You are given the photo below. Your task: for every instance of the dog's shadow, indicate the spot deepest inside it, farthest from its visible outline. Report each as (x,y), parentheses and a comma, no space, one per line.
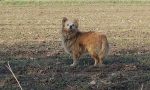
(128,57)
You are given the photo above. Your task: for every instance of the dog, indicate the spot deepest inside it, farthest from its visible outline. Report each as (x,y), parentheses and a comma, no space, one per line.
(77,43)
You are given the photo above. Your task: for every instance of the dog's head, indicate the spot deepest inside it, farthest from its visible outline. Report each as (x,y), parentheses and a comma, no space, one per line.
(69,25)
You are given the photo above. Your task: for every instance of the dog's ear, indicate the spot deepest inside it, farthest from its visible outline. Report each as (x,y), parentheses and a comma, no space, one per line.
(76,22)
(64,19)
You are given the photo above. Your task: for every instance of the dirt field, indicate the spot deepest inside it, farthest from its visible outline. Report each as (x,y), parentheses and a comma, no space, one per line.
(30,41)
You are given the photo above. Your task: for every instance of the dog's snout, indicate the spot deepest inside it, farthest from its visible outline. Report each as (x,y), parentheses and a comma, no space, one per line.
(71,27)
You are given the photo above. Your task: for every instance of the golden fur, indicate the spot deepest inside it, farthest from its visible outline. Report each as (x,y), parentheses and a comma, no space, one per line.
(77,43)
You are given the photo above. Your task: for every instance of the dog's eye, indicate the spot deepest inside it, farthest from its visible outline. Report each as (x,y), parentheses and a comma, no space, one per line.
(67,24)
(72,24)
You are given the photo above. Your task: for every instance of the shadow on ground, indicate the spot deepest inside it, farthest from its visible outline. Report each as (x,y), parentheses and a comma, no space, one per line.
(41,67)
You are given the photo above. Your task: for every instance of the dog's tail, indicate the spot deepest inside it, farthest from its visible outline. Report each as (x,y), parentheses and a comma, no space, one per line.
(105,46)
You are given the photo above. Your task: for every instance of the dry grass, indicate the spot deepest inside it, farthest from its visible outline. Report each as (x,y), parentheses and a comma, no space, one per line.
(126,25)
(30,40)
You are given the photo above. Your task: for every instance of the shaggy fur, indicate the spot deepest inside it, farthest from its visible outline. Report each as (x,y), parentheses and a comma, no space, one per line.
(77,43)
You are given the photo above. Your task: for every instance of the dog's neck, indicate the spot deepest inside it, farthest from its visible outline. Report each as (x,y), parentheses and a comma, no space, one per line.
(69,35)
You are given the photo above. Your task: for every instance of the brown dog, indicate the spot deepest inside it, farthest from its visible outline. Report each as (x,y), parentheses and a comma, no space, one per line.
(77,43)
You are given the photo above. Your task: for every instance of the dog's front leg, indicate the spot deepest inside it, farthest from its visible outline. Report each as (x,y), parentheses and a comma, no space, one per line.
(75,59)
(74,63)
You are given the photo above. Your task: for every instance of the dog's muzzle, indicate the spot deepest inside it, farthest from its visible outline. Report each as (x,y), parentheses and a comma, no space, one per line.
(70,27)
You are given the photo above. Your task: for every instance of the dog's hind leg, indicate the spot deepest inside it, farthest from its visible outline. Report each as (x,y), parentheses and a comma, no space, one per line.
(101,58)
(96,58)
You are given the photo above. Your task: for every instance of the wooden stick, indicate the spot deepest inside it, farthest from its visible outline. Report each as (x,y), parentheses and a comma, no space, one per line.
(9,68)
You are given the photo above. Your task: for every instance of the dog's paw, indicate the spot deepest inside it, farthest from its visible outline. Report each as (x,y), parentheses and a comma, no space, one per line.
(73,65)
